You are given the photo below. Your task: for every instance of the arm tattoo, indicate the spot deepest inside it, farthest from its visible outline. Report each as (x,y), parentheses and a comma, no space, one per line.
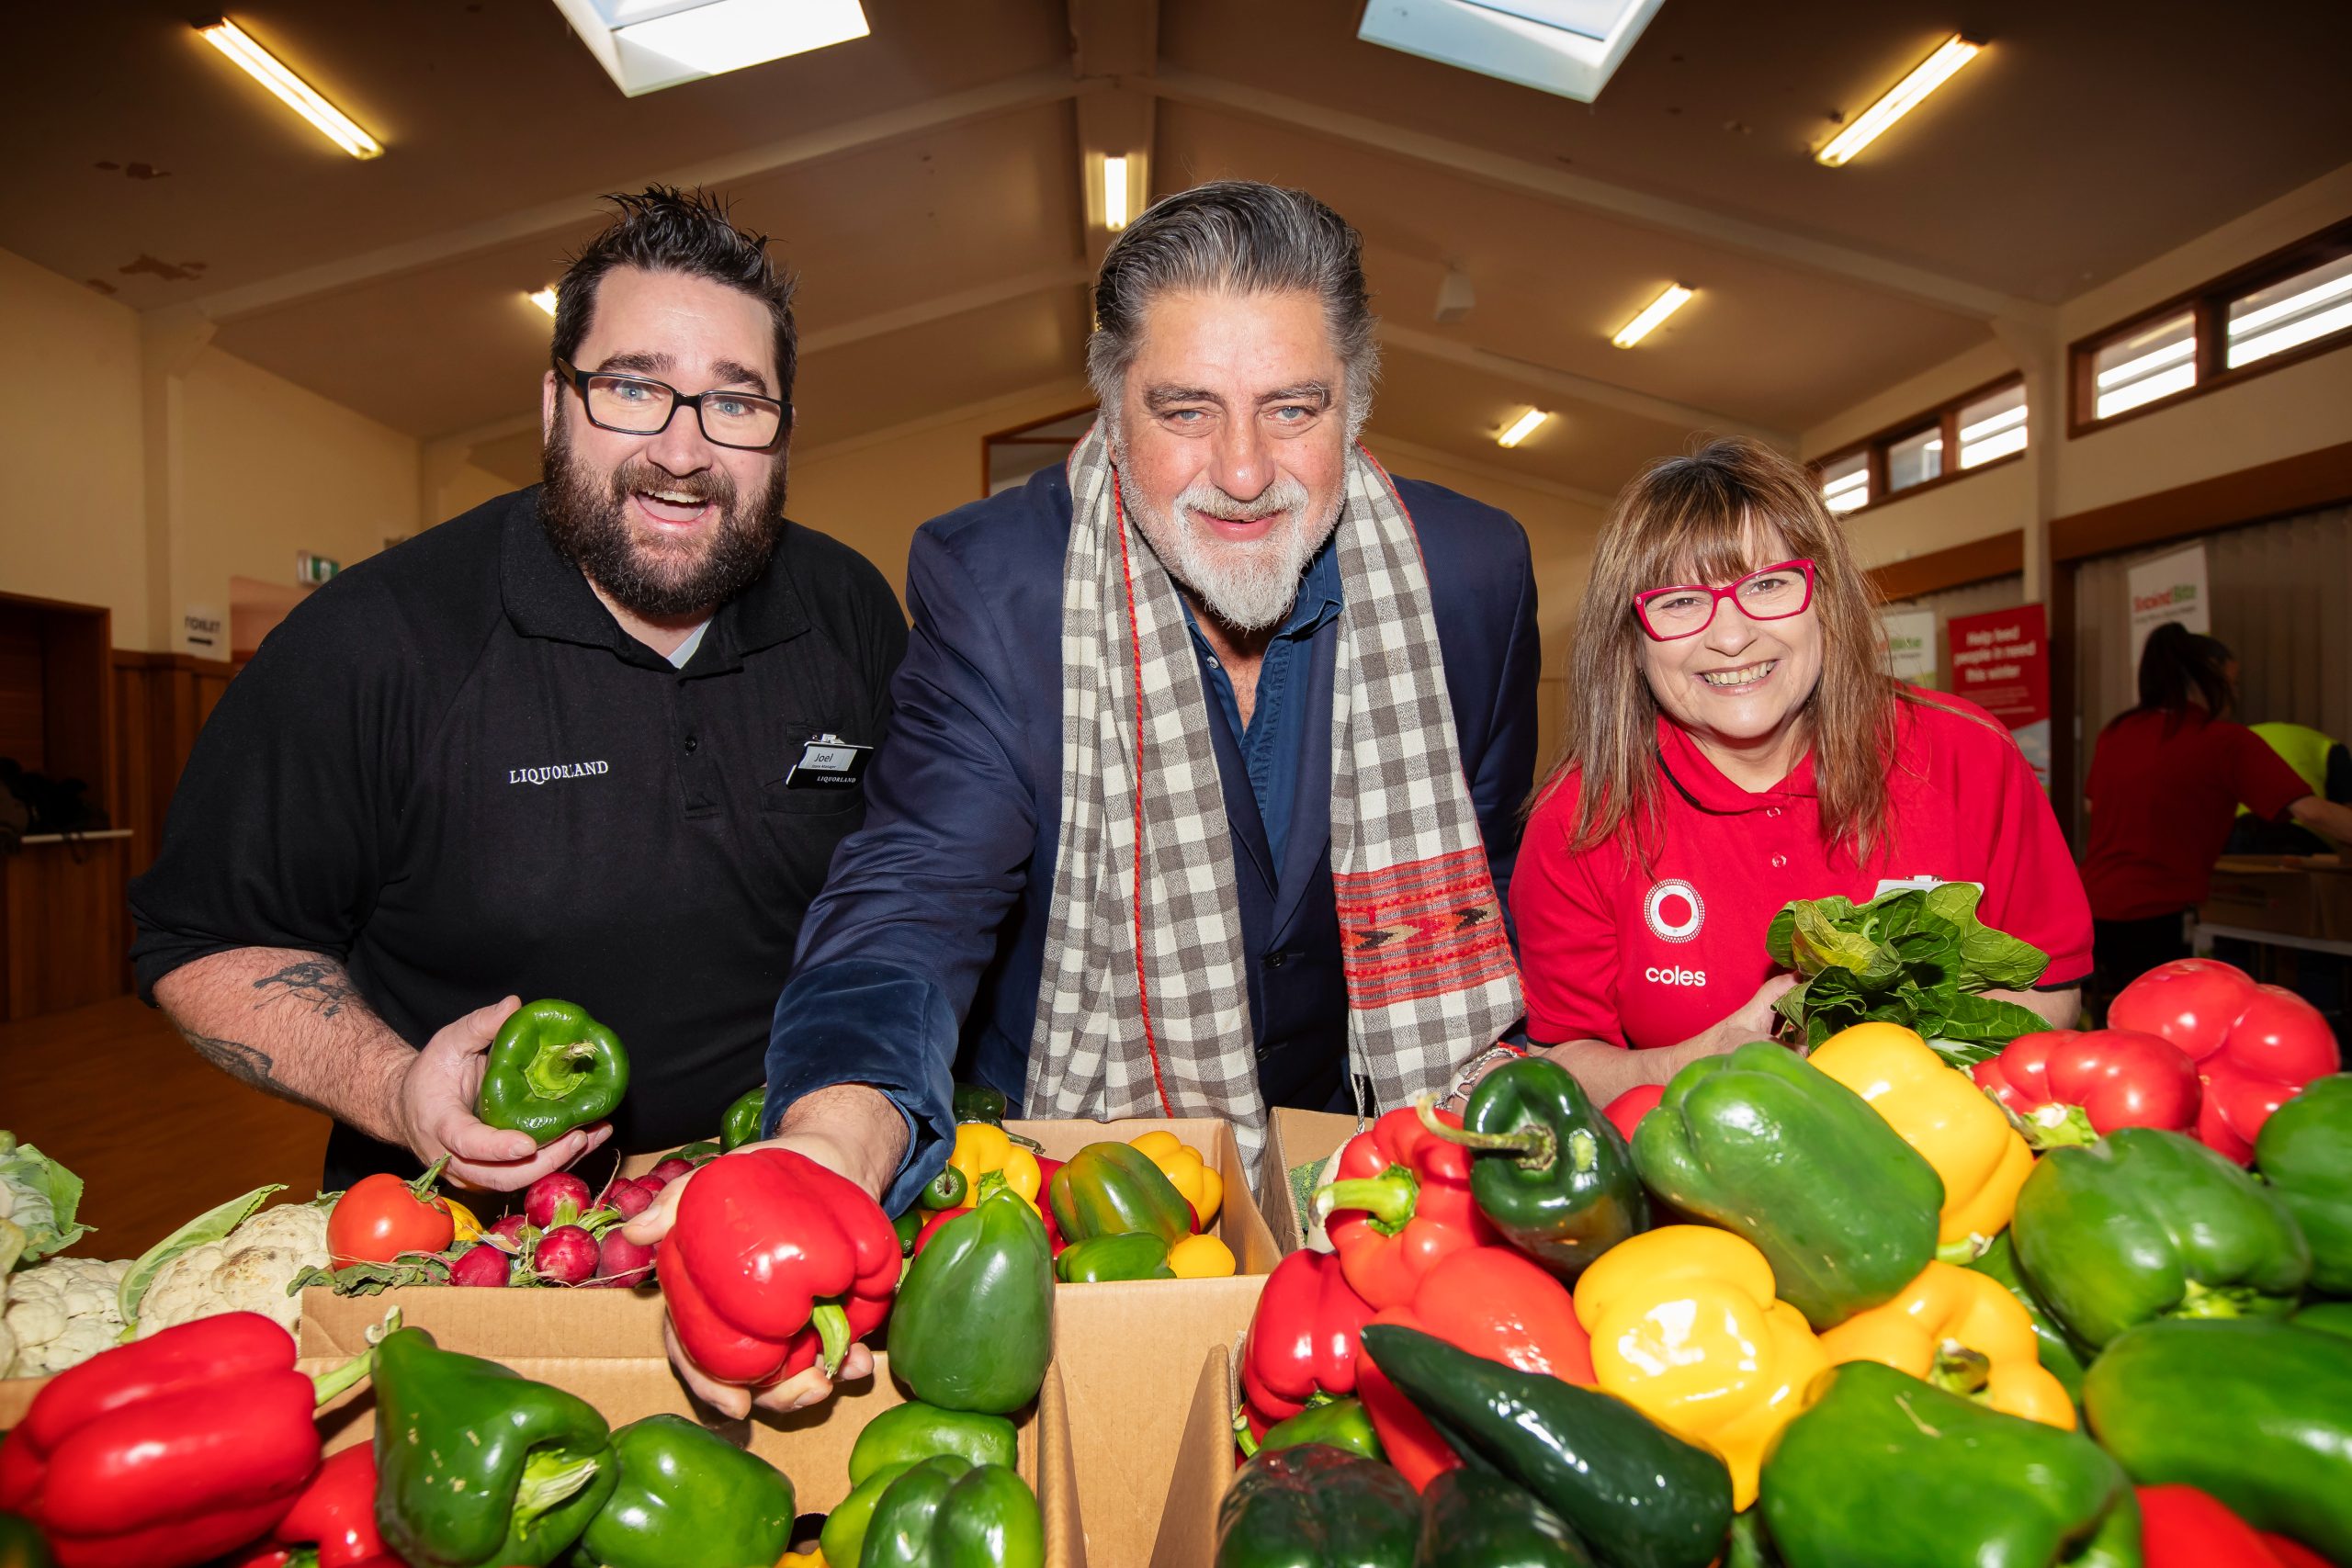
(240,1061)
(317,981)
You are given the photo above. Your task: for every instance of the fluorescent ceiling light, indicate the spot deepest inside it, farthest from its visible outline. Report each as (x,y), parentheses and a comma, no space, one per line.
(292,90)
(1999,421)
(1901,99)
(544,299)
(646,45)
(1654,312)
(2177,380)
(2247,350)
(1566,47)
(1115,194)
(1521,428)
(2146,363)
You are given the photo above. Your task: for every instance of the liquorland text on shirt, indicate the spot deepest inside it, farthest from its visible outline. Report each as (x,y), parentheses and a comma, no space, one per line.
(555,771)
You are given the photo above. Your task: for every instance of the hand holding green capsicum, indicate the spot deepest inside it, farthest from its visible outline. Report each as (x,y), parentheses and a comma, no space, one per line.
(551,1068)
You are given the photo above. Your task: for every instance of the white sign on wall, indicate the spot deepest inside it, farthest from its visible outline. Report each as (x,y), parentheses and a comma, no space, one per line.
(203,631)
(2170,588)
(1910,644)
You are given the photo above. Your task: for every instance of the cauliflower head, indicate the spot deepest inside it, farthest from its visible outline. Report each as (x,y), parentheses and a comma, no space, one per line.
(247,1270)
(62,1312)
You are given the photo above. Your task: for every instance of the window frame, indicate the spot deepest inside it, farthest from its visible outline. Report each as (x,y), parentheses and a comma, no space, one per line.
(1943,418)
(2208,305)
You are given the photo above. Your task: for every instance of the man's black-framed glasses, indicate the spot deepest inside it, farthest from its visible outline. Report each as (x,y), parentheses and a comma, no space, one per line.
(1769,593)
(638,405)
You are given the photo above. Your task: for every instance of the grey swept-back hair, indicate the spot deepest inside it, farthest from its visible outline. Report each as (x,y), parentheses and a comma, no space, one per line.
(1236,237)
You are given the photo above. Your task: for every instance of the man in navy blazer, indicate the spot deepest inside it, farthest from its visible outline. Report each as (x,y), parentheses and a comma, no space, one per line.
(1235,344)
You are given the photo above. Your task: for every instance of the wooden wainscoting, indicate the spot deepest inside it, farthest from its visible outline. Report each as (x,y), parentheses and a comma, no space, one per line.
(160,700)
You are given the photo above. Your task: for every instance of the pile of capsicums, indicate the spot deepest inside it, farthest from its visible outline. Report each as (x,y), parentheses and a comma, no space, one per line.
(1860,1308)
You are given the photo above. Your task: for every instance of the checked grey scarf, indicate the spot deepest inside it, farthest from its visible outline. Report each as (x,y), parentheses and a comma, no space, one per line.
(1143,1007)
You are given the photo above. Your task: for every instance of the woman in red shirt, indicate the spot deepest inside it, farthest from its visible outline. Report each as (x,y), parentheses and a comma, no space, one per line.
(1733,744)
(2165,782)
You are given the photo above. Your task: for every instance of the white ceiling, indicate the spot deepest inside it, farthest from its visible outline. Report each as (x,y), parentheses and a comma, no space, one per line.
(926,183)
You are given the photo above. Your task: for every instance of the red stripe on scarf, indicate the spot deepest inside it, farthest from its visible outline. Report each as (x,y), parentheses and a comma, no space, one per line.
(1420,930)
(1135,642)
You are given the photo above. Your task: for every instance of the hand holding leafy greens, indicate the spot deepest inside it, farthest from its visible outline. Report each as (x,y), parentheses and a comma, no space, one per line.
(1917,956)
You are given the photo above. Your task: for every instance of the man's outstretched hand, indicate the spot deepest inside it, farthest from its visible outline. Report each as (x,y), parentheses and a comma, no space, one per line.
(435,1112)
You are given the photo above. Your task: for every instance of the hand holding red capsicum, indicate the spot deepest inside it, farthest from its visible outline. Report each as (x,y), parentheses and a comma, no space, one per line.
(2254,1046)
(1400,1205)
(171,1450)
(774,1265)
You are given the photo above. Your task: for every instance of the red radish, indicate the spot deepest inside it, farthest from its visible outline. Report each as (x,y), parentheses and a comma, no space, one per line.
(545,1198)
(480,1264)
(668,1170)
(621,1262)
(566,1255)
(631,1198)
(508,1230)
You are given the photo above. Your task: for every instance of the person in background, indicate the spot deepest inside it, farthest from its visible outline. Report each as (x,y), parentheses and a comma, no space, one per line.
(548,748)
(2166,779)
(2323,762)
(1733,744)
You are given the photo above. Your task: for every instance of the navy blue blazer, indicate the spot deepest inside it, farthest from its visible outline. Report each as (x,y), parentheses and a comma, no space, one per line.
(920,962)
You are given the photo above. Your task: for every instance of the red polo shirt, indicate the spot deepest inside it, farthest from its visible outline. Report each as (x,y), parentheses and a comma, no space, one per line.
(2164,790)
(1609,950)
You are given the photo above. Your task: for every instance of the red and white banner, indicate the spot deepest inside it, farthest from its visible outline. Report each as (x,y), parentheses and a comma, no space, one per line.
(2000,661)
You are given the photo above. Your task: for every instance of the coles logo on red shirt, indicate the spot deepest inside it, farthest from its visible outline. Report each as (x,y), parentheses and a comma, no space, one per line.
(1673,910)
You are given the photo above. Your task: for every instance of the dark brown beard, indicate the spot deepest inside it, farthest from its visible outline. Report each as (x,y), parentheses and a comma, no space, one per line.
(587,516)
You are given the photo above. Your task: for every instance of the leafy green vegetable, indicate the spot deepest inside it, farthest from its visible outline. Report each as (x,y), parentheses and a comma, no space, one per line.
(1915,956)
(41,1197)
(365,1278)
(202,1231)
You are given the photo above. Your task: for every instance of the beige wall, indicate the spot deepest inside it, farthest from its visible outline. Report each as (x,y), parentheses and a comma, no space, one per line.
(467,490)
(72,520)
(2299,408)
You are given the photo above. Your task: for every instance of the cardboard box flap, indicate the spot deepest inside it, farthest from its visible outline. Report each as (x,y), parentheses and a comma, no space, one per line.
(1296,1140)
(1204,1458)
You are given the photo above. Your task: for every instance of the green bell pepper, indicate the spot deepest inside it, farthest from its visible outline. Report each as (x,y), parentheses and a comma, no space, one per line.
(21,1545)
(2060,1358)
(2325,1317)
(905,1433)
(948,1512)
(2256,1412)
(1474,1519)
(1551,1172)
(1342,1424)
(551,1068)
(951,1189)
(1773,1149)
(973,1102)
(2147,1224)
(2305,1150)
(1639,1495)
(1106,1189)
(476,1465)
(1132,1255)
(686,1495)
(1312,1506)
(842,1538)
(1889,1471)
(740,1126)
(973,1327)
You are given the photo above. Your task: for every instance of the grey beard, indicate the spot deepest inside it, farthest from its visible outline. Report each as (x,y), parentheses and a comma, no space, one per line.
(1247,588)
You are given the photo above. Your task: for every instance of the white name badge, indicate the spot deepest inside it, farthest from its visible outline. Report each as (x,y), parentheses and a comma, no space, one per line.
(1900,884)
(827,761)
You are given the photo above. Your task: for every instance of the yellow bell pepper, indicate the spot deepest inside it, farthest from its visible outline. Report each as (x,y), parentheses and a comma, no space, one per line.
(469,1229)
(983,1150)
(1686,1329)
(1961,1331)
(1186,1172)
(812,1558)
(1939,1111)
(1201,1258)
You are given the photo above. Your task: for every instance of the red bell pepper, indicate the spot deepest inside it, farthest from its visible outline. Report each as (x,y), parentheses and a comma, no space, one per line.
(1401,1203)
(1492,1302)
(1625,1111)
(333,1523)
(2070,1086)
(773,1262)
(1302,1340)
(2183,1528)
(2254,1046)
(170,1450)
(1046,1166)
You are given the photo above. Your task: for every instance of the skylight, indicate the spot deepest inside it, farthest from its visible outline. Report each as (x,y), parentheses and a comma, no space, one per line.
(646,45)
(1567,47)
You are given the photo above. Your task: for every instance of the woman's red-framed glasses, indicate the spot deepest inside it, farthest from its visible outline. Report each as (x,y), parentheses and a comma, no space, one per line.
(1768,594)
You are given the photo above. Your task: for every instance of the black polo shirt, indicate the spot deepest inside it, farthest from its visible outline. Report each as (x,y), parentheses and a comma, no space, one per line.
(453,772)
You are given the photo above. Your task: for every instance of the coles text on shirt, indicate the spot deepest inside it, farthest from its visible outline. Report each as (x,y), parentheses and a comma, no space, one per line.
(1673,910)
(556,770)
(1673,976)
(827,761)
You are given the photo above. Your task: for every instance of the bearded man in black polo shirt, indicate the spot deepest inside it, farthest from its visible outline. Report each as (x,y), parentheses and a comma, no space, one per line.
(552,747)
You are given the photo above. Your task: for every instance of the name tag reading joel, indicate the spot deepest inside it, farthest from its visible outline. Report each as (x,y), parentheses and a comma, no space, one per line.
(827,761)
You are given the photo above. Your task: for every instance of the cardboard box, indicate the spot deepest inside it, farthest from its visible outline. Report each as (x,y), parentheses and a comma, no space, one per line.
(2262,896)
(1204,1466)
(1293,1139)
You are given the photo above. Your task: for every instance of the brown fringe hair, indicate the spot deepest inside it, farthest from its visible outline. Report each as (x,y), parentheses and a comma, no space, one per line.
(1704,518)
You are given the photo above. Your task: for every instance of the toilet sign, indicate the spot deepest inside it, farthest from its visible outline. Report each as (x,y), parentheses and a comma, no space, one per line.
(203,631)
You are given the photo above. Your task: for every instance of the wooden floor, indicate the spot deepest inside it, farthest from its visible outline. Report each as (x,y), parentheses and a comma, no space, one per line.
(156,1135)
